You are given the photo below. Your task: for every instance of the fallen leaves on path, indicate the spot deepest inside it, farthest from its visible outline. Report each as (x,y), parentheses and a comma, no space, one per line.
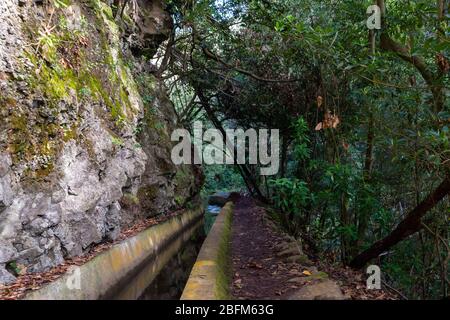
(266,275)
(353,284)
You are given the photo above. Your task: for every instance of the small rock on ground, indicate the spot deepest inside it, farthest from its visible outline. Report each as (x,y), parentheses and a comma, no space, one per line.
(323,290)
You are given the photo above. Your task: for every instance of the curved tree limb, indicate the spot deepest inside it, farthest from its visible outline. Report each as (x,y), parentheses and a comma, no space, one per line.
(432,80)
(215,57)
(245,172)
(410,225)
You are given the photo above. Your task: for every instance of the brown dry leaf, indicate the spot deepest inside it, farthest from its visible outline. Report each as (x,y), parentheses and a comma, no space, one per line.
(329,121)
(319,101)
(22,269)
(238,283)
(345,145)
(4,76)
(307,273)
(335,121)
(64,63)
(83,41)
(319,126)
(443,63)
(254,265)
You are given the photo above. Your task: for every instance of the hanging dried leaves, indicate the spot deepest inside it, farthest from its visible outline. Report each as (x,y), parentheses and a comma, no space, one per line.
(345,145)
(319,101)
(329,121)
(443,63)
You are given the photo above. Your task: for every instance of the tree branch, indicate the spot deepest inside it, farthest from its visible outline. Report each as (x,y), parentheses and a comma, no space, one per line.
(214,57)
(388,44)
(410,225)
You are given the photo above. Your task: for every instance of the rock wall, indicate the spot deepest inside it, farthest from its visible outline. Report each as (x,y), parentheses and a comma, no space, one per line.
(85,131)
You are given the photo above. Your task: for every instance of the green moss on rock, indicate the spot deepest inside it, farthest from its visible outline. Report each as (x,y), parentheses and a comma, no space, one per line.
(223,273)
(70,68)
(146,196)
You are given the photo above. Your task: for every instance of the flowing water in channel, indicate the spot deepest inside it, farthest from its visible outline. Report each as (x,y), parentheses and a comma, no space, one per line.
(170,282)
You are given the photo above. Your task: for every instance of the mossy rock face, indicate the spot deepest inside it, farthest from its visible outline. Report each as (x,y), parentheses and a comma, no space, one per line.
(54,71)
(75,64)
(34,139)
(183,182)
(85,138)
(180,200)
(146,196)
(154,25)
(129,200)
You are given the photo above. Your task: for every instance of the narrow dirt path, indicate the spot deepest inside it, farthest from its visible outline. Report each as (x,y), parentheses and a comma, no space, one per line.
(258,272)
(268,264)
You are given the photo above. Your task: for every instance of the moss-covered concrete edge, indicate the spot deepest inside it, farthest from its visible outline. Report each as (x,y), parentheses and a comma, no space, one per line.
(210,276)
(112,274)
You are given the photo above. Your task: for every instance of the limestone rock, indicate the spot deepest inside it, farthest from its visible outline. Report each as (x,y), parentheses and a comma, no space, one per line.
(301,259)
(219,199)
(5,276)
(291,250)
(7,252)
(69,159)
(323,290)
(149,27)
(5,164)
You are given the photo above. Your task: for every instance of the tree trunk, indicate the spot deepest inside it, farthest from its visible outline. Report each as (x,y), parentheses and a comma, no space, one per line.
(345,222)
(245,172)
(363,219)
(284,147)
(410,225)
(441,9)
(433,81)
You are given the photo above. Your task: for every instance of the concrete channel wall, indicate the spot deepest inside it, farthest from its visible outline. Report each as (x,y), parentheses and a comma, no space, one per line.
(210,278)
(125,270)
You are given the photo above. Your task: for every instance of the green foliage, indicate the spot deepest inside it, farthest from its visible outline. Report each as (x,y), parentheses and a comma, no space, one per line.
(221,178)
(61,3)
(117,141)
(301,151)
(348,185)
(290,195)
